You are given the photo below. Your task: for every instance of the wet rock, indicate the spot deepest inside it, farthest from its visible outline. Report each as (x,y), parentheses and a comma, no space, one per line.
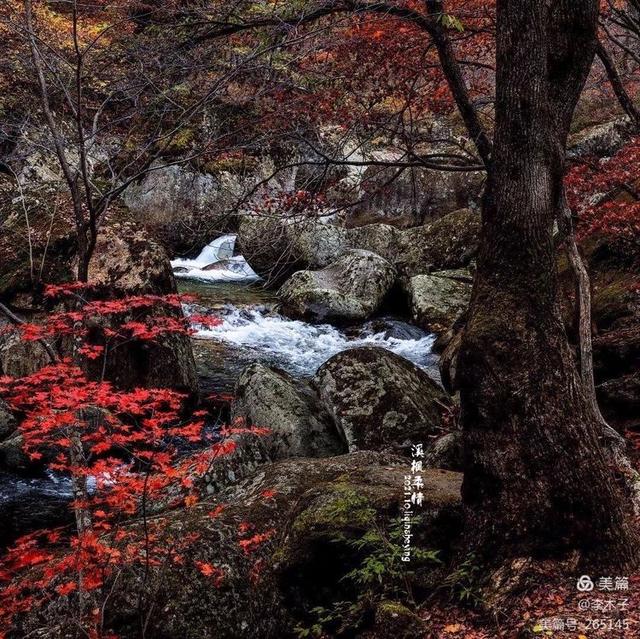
(300,425)
(350,289)
(392,329)
(437,300)
(379,400)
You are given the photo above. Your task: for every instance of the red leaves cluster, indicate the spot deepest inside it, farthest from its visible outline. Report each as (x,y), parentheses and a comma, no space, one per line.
(132,317)
(123,452)
(605,195)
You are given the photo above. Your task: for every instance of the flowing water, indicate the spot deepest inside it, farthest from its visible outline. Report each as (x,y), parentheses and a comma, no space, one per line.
(251,330)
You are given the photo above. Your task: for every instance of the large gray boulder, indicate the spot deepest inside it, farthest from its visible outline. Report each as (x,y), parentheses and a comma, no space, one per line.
(601,140)
(182,207)
(383,239)
(300,426)
(437,300)
(350,289)
(276,247)
(450,242)
(381,401)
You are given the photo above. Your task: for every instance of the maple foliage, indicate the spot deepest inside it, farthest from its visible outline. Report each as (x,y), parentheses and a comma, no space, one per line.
(604,196)
(127,454)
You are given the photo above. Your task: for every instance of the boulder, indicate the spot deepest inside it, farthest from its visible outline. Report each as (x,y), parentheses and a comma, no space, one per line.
(19,358)
(601,140)
(12,455)
(300,426)
(128,261)
(165,362)
(277,247)
(383,194)
(7,421)
(312,525)
(350,289)
(445,452)
(437,300)
(48,243)
(383,239)
(182,207)
(450,242)
(380,401)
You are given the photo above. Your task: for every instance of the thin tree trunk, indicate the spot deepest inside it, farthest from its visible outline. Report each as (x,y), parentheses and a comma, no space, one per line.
(537,478)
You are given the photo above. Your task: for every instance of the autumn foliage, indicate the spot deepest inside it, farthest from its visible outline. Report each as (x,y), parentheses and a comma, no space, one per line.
(128,455)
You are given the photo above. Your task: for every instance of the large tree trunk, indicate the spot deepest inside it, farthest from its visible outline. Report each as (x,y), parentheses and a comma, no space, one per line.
(537,479)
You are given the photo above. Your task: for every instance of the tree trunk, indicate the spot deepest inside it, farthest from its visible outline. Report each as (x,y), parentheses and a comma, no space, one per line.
(536,475)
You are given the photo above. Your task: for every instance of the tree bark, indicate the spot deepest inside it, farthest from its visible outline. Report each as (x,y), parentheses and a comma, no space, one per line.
(536,479)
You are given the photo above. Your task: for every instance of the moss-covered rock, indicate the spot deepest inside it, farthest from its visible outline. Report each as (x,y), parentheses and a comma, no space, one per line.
(383,239)
(437,301)
(601,140)
(394,620)
(450,242)
(314,508)
(350,289)
(379,400)
(300,426)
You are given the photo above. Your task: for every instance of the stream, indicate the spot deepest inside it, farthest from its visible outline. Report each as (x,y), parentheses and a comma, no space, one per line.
(251,330)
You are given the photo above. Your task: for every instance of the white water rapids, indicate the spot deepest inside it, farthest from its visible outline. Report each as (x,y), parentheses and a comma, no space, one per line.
(301,348)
